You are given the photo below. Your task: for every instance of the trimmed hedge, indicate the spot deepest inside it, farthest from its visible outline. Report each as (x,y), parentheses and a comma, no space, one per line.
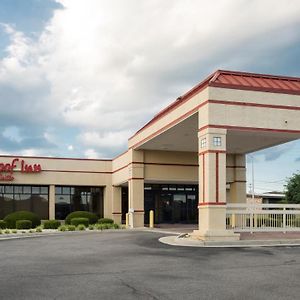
(80,221)
(81,214)
(81,227)
(71,228)
(104,226)
(3,224)
(105,221)
(23,224)
(51,224)
(12,218)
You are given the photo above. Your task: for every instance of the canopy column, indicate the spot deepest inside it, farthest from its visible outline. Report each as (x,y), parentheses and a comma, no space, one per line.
(237,192)
(212,186)
(136,190)
(117,204)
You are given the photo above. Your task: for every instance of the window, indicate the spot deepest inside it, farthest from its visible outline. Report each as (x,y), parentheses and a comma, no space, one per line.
(217,141)
(24,197)
(203,143)
(72,198)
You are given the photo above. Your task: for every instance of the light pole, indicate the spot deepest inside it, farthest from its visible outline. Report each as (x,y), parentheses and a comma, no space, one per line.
(252,185)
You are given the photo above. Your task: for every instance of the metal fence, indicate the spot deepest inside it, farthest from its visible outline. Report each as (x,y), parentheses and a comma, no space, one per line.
(263,217)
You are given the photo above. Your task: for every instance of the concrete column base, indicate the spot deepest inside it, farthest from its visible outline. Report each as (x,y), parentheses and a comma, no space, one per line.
(136,219)
(215,235)
(117,217)
(52,202)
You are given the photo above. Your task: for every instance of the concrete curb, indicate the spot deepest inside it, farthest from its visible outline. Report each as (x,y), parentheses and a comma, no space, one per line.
(189,242)
(159,231)
(5,237)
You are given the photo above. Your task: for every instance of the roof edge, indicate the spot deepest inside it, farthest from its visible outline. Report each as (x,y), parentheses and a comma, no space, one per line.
(211,80)
(53,157)
(262,75)
(179,101)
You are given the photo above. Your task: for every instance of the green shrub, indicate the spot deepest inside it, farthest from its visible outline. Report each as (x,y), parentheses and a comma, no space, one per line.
(81,227)
(71,227)
(51,224)
(7,231)
(80,221)
(98,226)
(104,226)
(23,224)
(14,231)
(39,229)
(62,228)
(31,231)
(91,227)
(116,226)
(105,221)
(11,219)
(1,231)
(81,214)
(2,224)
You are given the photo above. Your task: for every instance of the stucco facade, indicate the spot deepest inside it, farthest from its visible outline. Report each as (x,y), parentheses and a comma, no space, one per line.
(201,139)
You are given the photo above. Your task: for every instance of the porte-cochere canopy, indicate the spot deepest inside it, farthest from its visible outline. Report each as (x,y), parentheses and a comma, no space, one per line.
(206,133)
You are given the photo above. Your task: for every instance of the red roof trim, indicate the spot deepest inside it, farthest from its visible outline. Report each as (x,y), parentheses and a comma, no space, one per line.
(251,88)
(61,158)
(258,75)
(243,128)
(242,81)
(179,101)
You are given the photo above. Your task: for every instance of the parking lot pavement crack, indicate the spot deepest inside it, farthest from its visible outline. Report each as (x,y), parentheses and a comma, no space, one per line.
(135,291)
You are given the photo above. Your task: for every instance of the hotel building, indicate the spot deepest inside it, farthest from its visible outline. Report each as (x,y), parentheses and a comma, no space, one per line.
(185,164)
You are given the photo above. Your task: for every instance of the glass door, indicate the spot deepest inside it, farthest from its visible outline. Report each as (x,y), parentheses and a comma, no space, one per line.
(192,208)
(165,208)
(179,208)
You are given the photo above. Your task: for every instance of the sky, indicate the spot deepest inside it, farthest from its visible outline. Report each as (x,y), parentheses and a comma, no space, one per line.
(79,77)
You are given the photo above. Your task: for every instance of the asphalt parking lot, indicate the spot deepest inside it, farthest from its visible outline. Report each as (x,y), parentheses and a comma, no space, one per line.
(134,265)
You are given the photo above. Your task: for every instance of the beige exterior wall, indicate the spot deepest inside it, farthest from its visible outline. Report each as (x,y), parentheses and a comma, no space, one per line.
(174,116)
(59,171)
(69,172)
(243,116)
(120,168)
(171,166)
(253,96)
(236,178)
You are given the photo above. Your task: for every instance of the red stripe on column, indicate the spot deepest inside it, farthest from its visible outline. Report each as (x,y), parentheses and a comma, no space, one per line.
(136,178)
(203,177)
(212,151)
(211,203)
(217,177)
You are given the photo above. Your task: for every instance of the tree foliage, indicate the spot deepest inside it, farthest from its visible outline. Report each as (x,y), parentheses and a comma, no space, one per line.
(292,189)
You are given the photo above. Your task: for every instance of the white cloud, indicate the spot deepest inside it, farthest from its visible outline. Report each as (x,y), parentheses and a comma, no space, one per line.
(92,153)
(106,140)
(105,67)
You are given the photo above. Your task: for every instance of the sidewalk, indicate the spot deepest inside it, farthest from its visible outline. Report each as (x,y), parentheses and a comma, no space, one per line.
(180,237)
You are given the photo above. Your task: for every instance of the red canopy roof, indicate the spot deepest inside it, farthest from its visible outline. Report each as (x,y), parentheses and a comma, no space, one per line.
(237,80)
(251,81)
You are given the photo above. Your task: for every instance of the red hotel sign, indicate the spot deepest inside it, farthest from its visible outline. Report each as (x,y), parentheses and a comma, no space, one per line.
(7,169)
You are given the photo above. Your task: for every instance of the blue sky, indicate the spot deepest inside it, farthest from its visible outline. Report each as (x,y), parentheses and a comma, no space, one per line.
(77,78)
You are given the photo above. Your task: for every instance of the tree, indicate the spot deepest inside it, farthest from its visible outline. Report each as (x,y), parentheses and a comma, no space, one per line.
(292,189)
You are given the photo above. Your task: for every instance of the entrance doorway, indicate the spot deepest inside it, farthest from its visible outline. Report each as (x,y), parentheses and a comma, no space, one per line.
(171,203)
